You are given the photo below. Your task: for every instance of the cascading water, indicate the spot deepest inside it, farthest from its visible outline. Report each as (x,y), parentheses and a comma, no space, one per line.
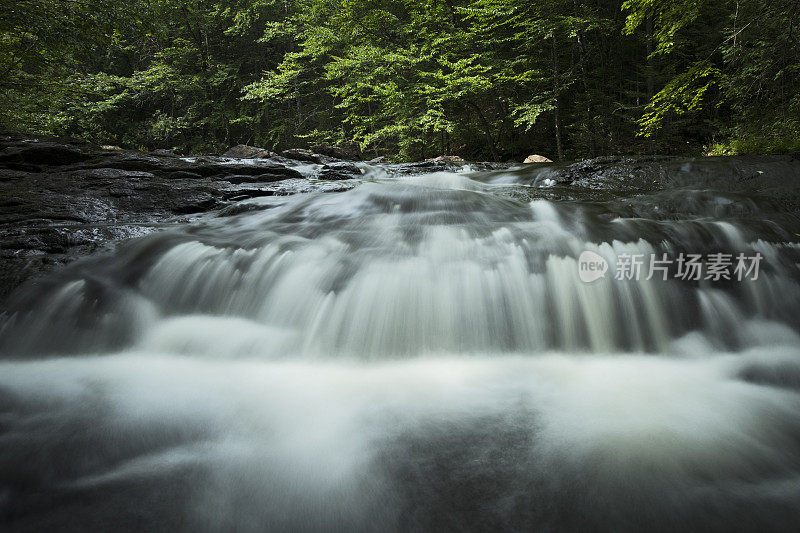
(419,353)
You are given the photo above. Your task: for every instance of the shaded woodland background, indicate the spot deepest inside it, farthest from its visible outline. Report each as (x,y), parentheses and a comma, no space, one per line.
(484,79)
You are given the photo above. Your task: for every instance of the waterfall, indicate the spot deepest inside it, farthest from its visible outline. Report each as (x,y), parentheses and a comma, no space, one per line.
(417,353)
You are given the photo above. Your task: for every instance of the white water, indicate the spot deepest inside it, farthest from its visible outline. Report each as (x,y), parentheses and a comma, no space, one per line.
(410,355)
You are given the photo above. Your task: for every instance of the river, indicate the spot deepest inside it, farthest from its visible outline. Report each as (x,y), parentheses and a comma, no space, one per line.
(424,352)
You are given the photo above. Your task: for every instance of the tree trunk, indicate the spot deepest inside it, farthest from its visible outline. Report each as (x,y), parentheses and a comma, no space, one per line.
(584,79)
(556,114)
(487,130)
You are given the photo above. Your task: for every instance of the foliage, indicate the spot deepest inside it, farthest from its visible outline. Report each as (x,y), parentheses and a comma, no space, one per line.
(485,79)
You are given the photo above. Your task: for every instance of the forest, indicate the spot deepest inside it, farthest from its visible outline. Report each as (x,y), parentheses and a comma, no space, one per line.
(488,80)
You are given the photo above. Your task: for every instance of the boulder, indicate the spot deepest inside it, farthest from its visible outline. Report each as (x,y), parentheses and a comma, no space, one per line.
(341,170)
(299,154)
(42,153)
(537,159)
(350,151)
(244,151)
(213,168)
(379,159)
(419,167)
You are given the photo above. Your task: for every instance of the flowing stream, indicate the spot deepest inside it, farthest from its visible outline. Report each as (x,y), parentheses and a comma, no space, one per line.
(420,353)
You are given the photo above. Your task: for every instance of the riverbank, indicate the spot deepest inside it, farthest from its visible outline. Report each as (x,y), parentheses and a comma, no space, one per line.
(62,199)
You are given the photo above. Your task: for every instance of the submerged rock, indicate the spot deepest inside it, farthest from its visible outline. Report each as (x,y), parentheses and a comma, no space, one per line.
(244,151)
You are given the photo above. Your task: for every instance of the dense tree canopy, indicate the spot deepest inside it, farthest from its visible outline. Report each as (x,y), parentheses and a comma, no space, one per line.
(485,79)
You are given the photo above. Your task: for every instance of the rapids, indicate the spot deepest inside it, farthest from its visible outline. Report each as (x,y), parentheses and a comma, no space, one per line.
(419,353)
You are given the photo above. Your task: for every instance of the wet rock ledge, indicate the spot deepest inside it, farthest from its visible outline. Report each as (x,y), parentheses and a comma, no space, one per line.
(60,199)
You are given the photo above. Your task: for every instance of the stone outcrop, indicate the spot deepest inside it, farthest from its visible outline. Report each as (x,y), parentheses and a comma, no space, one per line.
(61,200)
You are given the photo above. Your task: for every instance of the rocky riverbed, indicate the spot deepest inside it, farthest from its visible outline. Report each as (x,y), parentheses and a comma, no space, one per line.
(60,200)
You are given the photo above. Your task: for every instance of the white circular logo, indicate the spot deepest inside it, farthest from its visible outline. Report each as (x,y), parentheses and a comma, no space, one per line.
(591,266)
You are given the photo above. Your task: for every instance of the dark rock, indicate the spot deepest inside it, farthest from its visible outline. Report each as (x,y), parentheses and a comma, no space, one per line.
(795,156)
(42,153)
(341,170)
(299,154)
(243,151)
(120,192)
(260,178)
(425,164)
(164,153)
(114,174)
(238,195)
(11,175)
(182,175)
(421,167)
(51,214)
(11,202)
(21,167)
(350,151)
(243,207)
(213,168)
(126,162)
(198,204)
